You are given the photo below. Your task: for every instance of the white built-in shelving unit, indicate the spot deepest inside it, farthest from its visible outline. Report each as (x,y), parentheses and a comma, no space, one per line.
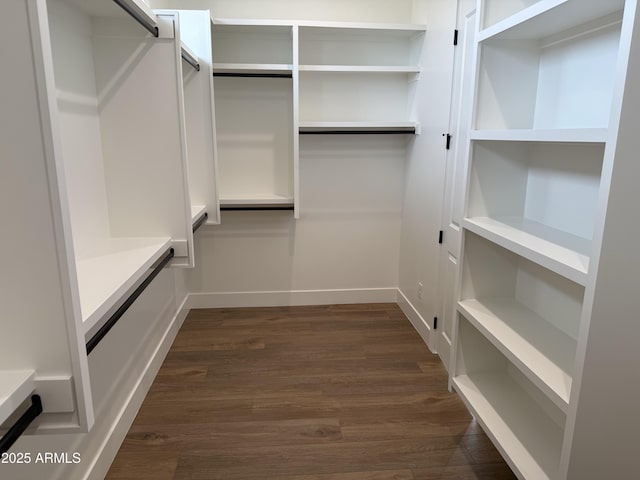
(97,181)
(548,78)
(277,79)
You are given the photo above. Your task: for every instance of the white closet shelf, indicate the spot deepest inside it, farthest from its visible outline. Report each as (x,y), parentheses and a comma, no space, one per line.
(525,435)
(541,351)
(261,201)
(568,135)
(197,211)
(15,388)
(359,69)
(548,17)
(346,127)
(562,253)
(113,268)
(253,68)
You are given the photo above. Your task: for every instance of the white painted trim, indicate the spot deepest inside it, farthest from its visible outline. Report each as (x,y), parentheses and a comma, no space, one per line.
(291,298)
(99,465)
(419,323)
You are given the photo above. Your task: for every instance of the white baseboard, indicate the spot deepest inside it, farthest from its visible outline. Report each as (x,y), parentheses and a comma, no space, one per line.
(419,323)
(105,455)
(292,298)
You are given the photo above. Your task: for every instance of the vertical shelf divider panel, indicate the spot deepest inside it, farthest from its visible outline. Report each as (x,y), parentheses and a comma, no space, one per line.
(199,111)
(546,76)
(295,40)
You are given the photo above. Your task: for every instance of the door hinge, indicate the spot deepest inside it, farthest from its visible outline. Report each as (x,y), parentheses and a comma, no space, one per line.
(435,323)
(455,37)
(440,237)
(448,146)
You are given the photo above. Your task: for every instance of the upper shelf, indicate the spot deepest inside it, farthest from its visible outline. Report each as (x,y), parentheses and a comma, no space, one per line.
(114,267)
(567,135)
(15,388)
(548,17)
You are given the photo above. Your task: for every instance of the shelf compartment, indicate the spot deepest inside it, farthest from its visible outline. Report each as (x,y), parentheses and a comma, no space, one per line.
(111,270)
(255,137)
(251,44)
(523,424)
(551,17)
(537,199)
(357,128)
(540,350)
(360,46)
(562,81)
(568,135)
(15,388)
(491,272)
(355,97)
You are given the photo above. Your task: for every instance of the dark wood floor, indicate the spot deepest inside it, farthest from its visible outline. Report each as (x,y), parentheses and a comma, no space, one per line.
(304,393)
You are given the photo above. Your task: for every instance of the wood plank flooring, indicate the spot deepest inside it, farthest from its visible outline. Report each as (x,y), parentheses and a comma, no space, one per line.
(341,392)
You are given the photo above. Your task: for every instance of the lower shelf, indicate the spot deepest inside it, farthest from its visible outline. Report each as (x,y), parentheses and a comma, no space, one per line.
(265,202)
(523,433)
(114,267)
(331,128)
(15,388)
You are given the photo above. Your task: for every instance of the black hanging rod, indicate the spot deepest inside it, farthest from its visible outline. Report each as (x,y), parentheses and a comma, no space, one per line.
(230,208)
(408,131)
(100,334)
(153,29)
(200,221)
(21,424)
(252,75)
(190,60)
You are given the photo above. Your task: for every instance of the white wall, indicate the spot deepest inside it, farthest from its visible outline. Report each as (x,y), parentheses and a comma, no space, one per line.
(347,237)
(425,168)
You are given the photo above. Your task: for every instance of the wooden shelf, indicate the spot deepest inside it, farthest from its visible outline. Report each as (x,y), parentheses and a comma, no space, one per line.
(357,127)
(358,69)
(15,388)
(568,135)
(562,253)
(541,351)
(523,433)
(113,268)
(252,68)
(549,17)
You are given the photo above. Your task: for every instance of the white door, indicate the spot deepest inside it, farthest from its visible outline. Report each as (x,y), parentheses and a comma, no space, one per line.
(453,207)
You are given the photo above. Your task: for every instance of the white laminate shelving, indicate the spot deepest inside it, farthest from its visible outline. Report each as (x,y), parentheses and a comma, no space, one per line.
(359,68)
(542,351)
(560,252)
(548,77)
(111,270)
(197,211)
(400,127)
(522,432)
(252,68)
(258,202)
(15,388)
